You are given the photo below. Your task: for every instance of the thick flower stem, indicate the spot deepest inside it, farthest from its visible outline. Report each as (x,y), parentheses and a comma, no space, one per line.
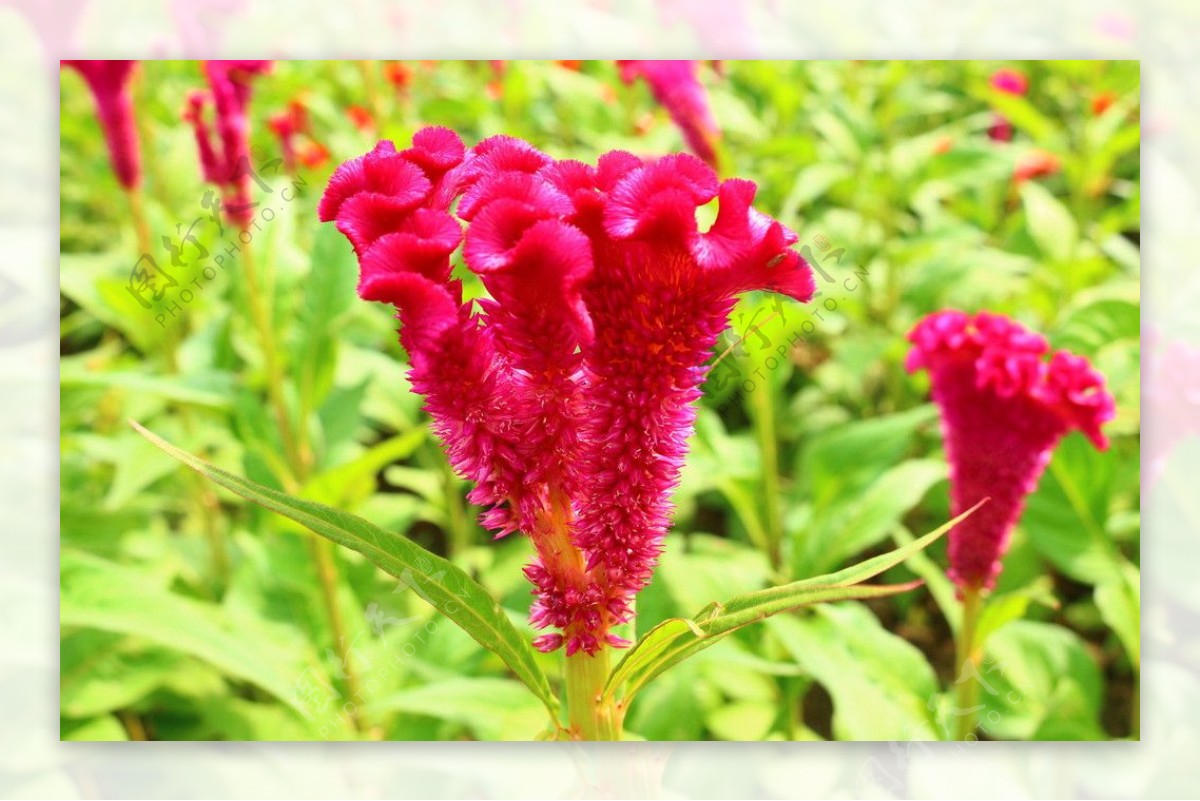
(966,665)
(590,717)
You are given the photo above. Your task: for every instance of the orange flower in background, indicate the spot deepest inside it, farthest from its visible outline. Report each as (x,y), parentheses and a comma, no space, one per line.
(574,66)
(361,118)
(943,144)
(1035,164)
(1103,101)
(312,154)
(398,75)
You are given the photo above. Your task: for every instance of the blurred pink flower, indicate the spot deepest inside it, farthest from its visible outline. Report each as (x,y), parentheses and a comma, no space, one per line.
(1116,25)
(568,398)
(200,23)
(1172,395)
(677,88)
(109,82)
(228,166)
(1004,409)
(1010,81)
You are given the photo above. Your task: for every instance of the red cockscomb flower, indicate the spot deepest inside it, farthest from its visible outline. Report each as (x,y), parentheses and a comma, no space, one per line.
(287,125)
(677,88)
(227,166)
(361,118)
(567,397)
(109,82)
(1004,408)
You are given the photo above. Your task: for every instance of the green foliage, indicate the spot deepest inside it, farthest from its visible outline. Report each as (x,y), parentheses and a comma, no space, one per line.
(189,613)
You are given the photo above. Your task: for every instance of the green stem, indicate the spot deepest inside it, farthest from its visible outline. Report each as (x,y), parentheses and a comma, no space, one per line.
(763,403)
(966,665)
(589,716)
(204,499)
(460,534)
(299,463)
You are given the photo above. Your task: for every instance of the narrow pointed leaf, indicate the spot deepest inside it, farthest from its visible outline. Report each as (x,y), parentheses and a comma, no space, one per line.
(446,587)
(674,640)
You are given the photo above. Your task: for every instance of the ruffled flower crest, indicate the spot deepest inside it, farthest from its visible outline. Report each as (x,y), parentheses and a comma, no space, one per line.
(566,395)
(1004,409)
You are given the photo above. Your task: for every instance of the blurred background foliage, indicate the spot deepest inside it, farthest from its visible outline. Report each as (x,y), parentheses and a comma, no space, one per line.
(187,614)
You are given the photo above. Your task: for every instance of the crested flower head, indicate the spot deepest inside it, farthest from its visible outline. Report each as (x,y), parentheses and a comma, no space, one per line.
(227,162)
(109,82)
(1004,408)
(565,395)
(677,88)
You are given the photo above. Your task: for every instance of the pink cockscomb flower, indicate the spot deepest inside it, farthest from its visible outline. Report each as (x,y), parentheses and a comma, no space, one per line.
(109,82)
(1010,82)
(567,395)
(677,88)
(1004,408)
(227,162)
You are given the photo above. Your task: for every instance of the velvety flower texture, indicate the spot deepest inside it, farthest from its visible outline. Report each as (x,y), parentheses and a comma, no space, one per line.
(1004,408)
(109,82)
(677,88)
(566,396)
(227,163)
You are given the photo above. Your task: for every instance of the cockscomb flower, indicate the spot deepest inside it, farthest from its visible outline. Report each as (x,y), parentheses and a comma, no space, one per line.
(677,88)
(287,125)
(109,83)
(227,164)
(567,394)
(1004,408)
(1009,82)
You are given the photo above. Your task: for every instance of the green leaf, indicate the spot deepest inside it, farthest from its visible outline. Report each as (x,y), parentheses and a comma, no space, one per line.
(676,639)
(493,709)
(1119,601)
(1066,516)
(1049,222)
(857,524)
(881,685)
(1038,681)
(102,729)
(100,595)
(446,587)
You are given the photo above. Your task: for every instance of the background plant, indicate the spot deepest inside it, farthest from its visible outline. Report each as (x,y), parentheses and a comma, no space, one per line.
(829,454)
